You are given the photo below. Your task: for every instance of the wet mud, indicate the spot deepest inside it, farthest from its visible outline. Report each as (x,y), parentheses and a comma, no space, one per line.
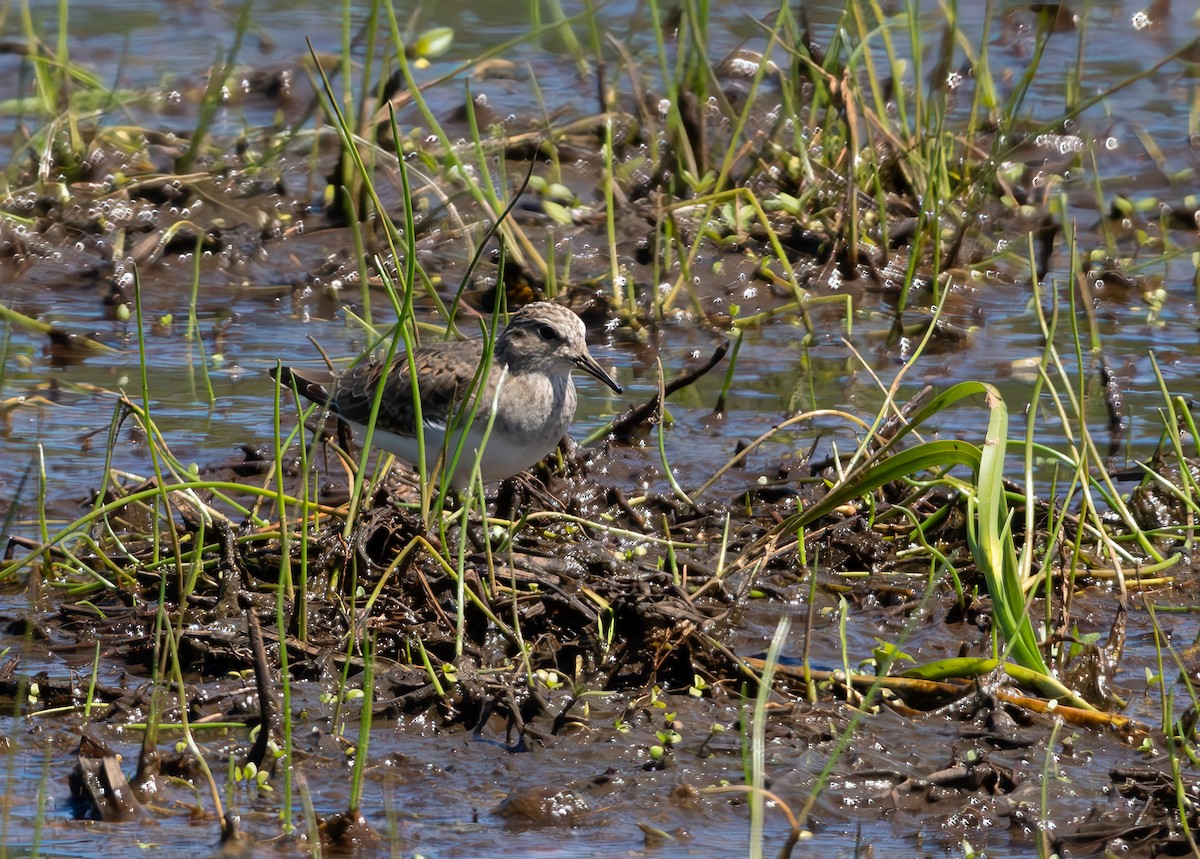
(575,665)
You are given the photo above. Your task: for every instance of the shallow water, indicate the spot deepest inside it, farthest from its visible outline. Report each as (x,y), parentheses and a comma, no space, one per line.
(440,794)
(262,327)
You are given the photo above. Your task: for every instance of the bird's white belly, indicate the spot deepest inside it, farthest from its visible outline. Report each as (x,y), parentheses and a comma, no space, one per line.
(504,454)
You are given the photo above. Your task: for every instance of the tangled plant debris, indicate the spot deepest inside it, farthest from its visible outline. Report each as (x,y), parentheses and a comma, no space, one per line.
(909,607)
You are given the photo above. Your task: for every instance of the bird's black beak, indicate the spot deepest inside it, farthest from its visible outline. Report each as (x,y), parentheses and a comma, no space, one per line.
(588,364)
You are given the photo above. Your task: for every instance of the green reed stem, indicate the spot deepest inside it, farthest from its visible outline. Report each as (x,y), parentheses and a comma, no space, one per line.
(366,712)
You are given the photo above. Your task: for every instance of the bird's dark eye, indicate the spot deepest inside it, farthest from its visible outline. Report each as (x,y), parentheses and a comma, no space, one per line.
(547,332)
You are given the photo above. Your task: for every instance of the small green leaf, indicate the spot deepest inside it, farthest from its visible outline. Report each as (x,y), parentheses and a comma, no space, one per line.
(432,43)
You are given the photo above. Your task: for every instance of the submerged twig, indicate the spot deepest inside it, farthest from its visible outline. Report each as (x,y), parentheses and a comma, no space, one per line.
(623,427)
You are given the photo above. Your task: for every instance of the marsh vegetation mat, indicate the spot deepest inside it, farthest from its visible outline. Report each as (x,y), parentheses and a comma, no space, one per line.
(885,545)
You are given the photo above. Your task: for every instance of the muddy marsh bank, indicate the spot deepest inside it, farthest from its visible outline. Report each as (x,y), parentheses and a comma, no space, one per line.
(886,545)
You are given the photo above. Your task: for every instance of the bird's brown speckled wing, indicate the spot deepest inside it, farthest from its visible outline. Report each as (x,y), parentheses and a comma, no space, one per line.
(444,374)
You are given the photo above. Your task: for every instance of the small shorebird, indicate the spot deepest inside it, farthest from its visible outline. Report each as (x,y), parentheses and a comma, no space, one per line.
(531,363)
